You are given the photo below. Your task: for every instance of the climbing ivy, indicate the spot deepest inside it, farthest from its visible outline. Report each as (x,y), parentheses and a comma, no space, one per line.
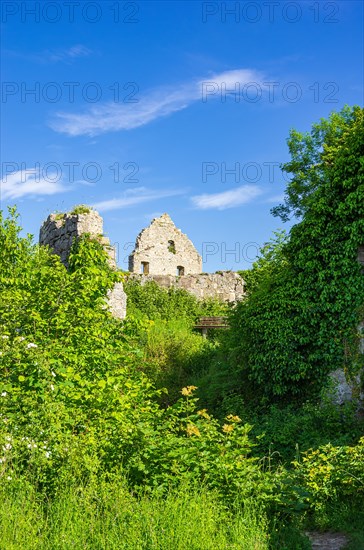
(306,296)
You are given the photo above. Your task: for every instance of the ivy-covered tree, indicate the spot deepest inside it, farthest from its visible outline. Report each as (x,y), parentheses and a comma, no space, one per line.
(306,296)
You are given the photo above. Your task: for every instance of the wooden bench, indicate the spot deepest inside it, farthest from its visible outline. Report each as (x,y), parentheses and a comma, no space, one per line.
(204,323)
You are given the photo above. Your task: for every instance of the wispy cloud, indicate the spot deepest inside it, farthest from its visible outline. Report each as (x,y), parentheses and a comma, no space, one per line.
(276,199)
(61,55)
(156,103)
(30,183)
(227,199)
(131,197)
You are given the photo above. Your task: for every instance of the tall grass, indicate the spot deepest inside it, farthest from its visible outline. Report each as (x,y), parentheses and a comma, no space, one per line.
(110,517)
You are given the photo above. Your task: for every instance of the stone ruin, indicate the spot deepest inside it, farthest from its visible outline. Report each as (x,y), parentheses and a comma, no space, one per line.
(226,286)
(162,249)
(165,255)
(162,254)
(59,232)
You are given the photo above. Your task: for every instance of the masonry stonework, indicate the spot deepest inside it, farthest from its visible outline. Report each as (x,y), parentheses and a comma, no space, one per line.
(59,232)
(226,286)
(162,249)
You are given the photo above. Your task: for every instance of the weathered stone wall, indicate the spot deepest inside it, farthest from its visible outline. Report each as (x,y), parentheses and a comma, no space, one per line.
(162,249)
(226,286)
(59,231)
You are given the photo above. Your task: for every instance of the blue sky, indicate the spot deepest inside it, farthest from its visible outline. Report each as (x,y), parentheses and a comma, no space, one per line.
(140,108)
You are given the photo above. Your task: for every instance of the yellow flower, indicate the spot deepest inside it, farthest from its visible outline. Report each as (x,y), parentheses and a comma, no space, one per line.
(227,428)
(203,413)
(192,430)
(233,418)
(188,390)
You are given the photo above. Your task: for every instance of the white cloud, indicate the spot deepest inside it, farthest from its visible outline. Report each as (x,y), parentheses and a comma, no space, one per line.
(132,197)
(227,199)
(65,55)
(30,182)
(112,117)
(276,199)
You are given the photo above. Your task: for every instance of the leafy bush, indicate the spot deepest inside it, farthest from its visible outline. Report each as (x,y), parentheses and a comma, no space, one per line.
(306,295)
(333,474)
(151,301)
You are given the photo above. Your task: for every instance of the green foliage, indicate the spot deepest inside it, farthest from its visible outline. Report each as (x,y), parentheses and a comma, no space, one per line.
(306,294)
(79,412)
(188,443)
(76,401)
(173,353)
(107,516)
(284,432)
(69,387)
(80,209)
(153,302)
(333,474)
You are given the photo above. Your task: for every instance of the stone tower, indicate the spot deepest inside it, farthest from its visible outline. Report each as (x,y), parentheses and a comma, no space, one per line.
(162,249)
(60,230)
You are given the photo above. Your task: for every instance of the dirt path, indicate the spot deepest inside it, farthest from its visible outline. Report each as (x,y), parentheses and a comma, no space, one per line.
(327,541)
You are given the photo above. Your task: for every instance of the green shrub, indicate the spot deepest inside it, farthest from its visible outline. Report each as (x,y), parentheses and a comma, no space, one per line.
(333,474)
(80,209)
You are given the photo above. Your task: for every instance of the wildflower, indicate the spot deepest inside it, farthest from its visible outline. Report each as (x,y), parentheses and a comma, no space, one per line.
(192,430)
(203,413)
(7,447)
(227,428)
(188,390)
(9,478)
(48,454)
(53,374)
(5,337)
(233,418)
(31,345)
(52,387)
(4,394)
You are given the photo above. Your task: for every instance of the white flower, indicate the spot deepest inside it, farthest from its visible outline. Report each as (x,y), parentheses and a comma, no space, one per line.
(21,338)
(5,337)
(7,447)
(48,454)
(31,345)
(4,394)
(52,387)
(2,460)
(9,478)
(53,374)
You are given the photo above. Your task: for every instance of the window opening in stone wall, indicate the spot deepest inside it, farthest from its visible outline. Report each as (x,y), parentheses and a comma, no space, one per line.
(180,270)
(171,247)
(144,268)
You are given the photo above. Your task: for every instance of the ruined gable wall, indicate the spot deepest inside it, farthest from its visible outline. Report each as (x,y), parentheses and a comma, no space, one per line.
(152,246)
